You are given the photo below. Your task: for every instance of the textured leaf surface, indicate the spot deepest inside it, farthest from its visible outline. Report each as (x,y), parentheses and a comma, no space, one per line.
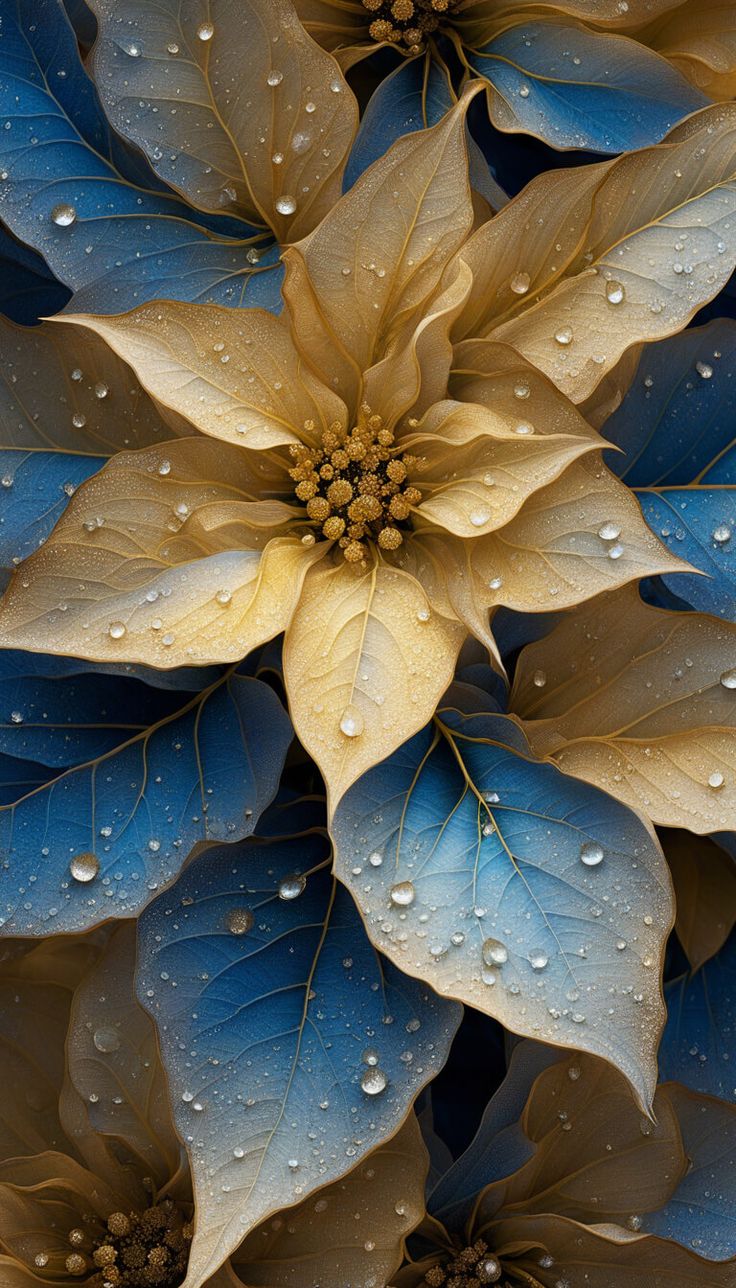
(699,1041)
(582,89)
(126,822)
(697,523)
(509,888)
(649,717)
(270,1002)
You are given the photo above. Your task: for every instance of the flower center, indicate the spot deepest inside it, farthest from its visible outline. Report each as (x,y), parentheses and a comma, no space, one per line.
(472,1268)
(146,1251)
(355,485)
(406,22)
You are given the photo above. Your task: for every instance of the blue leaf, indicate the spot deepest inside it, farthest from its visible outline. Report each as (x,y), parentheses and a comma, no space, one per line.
(34,490)
(581,89)
(701,1213)
(513,887)
(292,1049)
(679,414)
(414,96)
(126,244)
(699,1042)
(28,289)
(696,523)
(126,822)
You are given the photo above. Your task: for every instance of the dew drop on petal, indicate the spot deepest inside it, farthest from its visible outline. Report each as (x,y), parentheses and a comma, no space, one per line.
(205,31)
(615,292)
(539,679)
(721,534)
(520,283)
(728,678)
(239,921)
(274,78)
(494,953)
(609,531)
(716,779)
(286,205)
(106,1039)
(704,370)
(351,722)
(292,886)
(63,215)
(591,854)
(84,867)
(564,336)
(402,894)
(373,1082)
(116,630)
(538,961)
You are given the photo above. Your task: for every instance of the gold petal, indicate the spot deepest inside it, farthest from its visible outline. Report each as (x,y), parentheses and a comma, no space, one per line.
(366,659)
(232,373)
(650,716)
(704,877)
(352,1231)
(150,564)
(700,40)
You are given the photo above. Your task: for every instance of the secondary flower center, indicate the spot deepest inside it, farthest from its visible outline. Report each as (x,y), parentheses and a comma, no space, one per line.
(472,1268)
(406,22)
(355,485)
(150,1250)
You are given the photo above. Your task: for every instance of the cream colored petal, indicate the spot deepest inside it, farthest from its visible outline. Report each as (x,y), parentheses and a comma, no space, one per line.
(376,259)
(415,373)
(232,373)
(171,79)
(68,390)
(366,659)
(480,464)
(43,1197)
(700,39)
(150,564)
(351,1232)
(609,255)
(649,718)
(114,1103)
(560,548)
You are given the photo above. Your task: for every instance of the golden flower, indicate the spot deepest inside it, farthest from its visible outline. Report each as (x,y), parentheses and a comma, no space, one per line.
(94,1187)
(401,451)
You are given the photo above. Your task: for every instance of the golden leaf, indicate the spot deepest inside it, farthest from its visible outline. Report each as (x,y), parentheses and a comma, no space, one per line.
(649,717)
(704,877)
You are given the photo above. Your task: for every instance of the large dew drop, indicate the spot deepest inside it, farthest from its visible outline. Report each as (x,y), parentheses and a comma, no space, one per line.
(84,867)
(351,722)
(591,854)
(291,887)
(402,894)
(106,1039)
(373,1081)
(239,921)
(63,215)
(494,953)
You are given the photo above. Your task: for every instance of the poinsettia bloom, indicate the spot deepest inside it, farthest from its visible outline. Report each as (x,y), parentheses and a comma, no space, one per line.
(361,481)
(94,1185)
(602,75)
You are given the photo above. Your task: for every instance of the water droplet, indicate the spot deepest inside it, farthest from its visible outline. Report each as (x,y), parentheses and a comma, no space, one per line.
(479,517)
(423,614)
(101,390)
(520,283)
(239,921)
(375,859)
(292,886)
(616,550)
(370,1056)
(116,630)
(538,961)
(205,31)
(716,779)
(609,531)
(402,894)
(704,369)
(373,1082)
(564,336)
(79,420)
(16,717)
(523,428)
(489,1271)
(351,722)
(274,78)
(84,867)
(494,953)
(286,205)
(591,854)
(523,91)
(238,1152)
(63,215)
(106,1039)
(223,597)
(721,534)
(521,391)
(615,293)
(539,679)
(728,678)
(172,47)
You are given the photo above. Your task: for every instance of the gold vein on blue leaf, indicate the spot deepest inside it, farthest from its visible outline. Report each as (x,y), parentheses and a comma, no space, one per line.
(291,1047)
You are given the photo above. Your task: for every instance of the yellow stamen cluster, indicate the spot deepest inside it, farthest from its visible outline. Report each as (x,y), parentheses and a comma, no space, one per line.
(355,485)
(150,1250)
(474,1267)
(406,22)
